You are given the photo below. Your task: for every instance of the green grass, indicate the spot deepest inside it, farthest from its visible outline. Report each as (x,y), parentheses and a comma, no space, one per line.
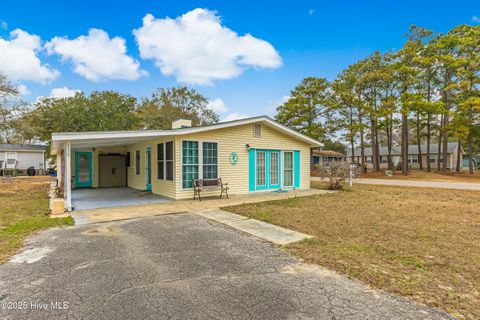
(24,210)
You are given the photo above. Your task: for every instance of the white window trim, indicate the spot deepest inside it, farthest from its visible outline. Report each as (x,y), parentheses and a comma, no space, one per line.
(279,153)
(139,163)
(200,159)
(256,166)
(283,168)
(165,160)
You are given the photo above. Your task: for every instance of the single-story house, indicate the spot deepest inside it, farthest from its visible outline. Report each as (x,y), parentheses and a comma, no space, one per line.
(326,156)
(251,155)
(20,157)
(413,156)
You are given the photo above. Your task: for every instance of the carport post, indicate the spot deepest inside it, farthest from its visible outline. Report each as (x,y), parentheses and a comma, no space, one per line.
(68,177)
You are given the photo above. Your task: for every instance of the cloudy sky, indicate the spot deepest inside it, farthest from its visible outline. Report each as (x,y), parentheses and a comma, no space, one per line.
(245,56)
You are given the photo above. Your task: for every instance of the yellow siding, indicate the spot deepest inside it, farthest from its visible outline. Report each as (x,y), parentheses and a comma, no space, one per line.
(233,139)
(162,187)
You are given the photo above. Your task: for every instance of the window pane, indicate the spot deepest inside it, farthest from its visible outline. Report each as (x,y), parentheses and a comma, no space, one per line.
(160,151)
(274,168)
(210,160)
(169,170)
(189,163)
(288,169)
(137,162)
(160,172)
(169,150)
(261,168)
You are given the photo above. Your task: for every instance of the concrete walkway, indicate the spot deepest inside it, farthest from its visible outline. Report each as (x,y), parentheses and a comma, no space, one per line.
(416,183)
(135,211)
(85,199)
(254,227)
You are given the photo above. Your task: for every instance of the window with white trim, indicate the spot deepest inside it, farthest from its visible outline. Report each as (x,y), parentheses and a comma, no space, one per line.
(189,163)
(169,160)
(261,168)
(160,161)
(199,161)
(210,160)
(288,169)
(10,158)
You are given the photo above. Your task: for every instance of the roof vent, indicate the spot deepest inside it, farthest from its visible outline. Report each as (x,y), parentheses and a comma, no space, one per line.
(181,123)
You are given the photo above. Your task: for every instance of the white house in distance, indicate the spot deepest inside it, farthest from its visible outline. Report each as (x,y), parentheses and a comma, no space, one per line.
(20,157)
(413,159)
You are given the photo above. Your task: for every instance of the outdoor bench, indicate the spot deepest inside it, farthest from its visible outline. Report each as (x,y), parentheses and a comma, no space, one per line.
(207,184)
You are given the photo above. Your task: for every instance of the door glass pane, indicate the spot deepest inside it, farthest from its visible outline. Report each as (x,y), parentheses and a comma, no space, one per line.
(83,168)
(288,169)
(261,168)
(273,168)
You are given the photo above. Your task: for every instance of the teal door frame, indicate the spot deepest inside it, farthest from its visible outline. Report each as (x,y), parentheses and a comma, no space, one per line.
(148,168)
(253,169)
(89,183)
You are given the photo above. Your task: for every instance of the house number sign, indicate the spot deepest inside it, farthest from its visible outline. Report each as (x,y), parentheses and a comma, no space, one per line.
(233,158)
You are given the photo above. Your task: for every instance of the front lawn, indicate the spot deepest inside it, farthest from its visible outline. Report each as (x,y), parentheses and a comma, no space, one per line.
(426,176)
(418,242)
(23,210)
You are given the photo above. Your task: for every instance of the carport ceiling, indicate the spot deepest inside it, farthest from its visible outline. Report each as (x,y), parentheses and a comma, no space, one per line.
(109,142)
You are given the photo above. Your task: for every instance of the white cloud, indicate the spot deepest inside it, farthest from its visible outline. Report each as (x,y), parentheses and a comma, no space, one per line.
(196,48)
(23,90)
(19,58)
(63,92)
(235,116)
(273,105)
(217,105)
(476,19)
(97,57)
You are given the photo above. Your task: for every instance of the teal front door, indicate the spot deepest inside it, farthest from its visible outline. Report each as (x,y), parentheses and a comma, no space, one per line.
(266,167)
(148,168)
(83,169)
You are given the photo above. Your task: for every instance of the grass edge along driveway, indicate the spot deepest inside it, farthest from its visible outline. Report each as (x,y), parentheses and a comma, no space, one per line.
(24,210)
(417,242)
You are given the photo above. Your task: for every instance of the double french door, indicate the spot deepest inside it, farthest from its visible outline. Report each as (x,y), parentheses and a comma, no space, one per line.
(267,168)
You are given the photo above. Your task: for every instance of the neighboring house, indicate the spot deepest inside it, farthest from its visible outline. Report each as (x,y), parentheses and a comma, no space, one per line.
(326,156)
(254,154)
(22,156)
(413,156)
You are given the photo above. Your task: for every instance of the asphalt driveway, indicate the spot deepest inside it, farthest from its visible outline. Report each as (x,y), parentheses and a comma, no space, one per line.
(180,266)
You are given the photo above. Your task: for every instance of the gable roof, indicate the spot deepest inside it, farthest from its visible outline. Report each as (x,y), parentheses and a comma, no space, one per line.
(22,147)
(58,137)
(412,149)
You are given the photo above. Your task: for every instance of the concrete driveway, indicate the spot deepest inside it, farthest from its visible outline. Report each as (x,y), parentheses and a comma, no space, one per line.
(180,266)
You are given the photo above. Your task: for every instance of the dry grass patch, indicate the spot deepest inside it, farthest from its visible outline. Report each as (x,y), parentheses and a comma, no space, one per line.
(23,210)
(418,242)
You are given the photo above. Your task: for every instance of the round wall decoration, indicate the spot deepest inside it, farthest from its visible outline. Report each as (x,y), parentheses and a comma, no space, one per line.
(233,158)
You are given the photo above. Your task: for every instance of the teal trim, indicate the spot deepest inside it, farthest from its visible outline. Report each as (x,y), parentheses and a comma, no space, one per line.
(89,182)
(296,169)
(251,170)
(148,168)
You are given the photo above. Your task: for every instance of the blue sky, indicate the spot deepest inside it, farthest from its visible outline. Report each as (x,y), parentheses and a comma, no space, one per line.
(289,40)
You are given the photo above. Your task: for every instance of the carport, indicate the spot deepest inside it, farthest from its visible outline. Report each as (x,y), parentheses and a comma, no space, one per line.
(84,199)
